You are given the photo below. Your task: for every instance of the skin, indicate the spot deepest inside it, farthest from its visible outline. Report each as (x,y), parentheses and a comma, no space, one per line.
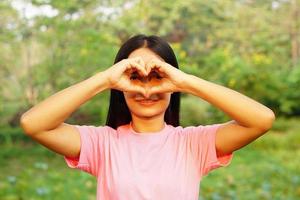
(250,118)
(147,118)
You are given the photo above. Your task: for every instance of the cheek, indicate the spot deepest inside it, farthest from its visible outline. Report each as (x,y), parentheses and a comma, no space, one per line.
(130,99)
(167,97)
(164,102)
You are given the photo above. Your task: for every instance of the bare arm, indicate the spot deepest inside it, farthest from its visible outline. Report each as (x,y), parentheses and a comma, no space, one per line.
(251,119)
(44,121)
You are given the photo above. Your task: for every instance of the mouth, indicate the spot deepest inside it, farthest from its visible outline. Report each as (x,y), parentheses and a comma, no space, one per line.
(147,102)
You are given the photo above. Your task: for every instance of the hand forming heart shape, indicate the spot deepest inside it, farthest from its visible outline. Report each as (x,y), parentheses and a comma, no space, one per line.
(129,75)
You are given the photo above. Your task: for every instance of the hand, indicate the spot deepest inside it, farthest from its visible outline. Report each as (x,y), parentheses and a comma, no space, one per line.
(118,75)
(172,79)
(128,75)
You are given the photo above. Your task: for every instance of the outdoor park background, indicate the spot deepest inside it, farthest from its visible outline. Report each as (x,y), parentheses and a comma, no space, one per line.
(250,46)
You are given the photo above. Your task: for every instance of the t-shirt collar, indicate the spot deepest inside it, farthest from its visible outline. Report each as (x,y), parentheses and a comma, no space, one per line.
(149,133)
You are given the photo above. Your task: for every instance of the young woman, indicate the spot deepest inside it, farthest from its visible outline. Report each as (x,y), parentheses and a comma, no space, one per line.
(142,152)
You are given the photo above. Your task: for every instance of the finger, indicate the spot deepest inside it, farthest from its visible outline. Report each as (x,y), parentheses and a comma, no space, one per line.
(147,93)
(156,65)
(140,61)
(140,90)
(148,69)
(158,89)
(150,66)
(140,68)
(134,67)
(153,90)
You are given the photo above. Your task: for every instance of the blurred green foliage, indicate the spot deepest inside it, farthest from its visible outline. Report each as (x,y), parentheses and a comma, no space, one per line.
(252,47)
(265,169)
(248,46)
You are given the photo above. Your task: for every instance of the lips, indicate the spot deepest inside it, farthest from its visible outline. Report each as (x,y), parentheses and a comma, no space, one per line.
(147,102)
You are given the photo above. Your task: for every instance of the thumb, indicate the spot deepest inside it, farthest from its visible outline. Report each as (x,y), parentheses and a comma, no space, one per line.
(153,90)
(141,90)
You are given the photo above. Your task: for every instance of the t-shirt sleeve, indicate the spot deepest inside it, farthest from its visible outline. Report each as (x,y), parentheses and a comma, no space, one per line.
(91,148)
(202,142)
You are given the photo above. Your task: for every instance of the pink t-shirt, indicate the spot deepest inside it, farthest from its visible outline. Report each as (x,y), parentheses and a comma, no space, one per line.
(167,164)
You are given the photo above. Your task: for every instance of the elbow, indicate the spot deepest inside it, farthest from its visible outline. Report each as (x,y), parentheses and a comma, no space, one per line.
(267,123)
(24,125)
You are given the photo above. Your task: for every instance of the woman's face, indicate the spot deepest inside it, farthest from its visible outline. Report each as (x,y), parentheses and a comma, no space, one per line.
(156,104)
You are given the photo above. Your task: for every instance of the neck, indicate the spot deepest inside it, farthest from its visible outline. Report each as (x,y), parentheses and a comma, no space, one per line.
(142,125)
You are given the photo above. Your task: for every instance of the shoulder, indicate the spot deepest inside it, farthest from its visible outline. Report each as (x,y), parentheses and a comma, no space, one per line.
(95,131)
(196,129)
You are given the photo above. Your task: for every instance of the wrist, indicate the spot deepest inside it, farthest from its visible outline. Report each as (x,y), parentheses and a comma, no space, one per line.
(185,80)
(102,80)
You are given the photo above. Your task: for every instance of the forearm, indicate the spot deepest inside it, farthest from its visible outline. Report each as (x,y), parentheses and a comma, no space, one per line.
(54,110)
(244,110)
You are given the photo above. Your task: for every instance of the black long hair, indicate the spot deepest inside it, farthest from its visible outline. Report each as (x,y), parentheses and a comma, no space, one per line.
(118,113)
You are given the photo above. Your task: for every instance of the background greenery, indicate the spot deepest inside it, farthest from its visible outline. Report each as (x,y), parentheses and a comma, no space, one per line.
(250,46)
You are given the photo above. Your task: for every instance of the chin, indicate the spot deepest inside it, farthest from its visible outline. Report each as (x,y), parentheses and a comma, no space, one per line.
(148,113)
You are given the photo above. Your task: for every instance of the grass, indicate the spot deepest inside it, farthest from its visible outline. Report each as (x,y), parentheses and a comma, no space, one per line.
(30,171)
(268,168)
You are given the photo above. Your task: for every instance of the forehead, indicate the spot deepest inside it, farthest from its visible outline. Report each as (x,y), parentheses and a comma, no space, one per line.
(145,53)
